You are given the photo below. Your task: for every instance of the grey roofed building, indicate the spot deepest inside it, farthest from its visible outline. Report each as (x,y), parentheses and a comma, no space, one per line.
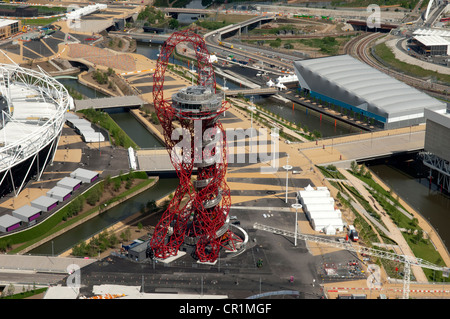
(27,213)
(8,223)
(86,176)
(353,85)
(69,183)
(59,193)
(44,203)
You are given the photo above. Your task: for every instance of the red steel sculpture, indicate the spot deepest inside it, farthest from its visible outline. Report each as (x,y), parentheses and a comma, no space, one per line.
(197,215)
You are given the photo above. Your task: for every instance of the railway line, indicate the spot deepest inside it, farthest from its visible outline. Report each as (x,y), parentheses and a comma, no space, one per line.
(359,48)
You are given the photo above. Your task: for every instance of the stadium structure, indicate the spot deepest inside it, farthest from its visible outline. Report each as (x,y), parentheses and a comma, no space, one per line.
(33,107)
(362,91)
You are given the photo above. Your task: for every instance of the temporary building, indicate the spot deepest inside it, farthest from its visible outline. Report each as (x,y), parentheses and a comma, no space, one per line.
(69,183)
(84,175)
(60,193)
(92,136)
(318,207)
(318,224)
(45,203)
(77,122)
(317,200)
(324,214)
(9,223)
(27,213)
(309,191)
(329,230)
(305,194)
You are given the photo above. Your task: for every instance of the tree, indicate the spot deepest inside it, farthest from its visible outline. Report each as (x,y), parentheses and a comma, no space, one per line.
(354,167)
(173,24)
(11,289)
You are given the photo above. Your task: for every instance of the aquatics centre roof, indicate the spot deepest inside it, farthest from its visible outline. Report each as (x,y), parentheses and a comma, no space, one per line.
(348,80)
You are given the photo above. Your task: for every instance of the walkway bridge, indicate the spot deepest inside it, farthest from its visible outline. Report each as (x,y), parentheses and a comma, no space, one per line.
(241,27)
(341,151)
(132,101)
(256,91)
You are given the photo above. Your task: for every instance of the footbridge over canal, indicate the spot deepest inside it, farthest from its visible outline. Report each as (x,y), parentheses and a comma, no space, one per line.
(341,151)
(132,102)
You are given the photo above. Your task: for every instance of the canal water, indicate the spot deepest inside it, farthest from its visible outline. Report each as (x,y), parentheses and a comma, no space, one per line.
(410,182)
(135,130)
(95,225)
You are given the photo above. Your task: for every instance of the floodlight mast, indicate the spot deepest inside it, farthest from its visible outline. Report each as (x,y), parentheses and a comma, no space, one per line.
(408,261)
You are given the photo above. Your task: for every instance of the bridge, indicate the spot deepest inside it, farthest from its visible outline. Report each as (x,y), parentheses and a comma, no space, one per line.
(341,151)
(256,91)
(241,27)
(144,37)
(174,12)
(154,161)
(132,101)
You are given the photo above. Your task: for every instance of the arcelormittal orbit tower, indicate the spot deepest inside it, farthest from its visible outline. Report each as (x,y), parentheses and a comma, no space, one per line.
(197,216)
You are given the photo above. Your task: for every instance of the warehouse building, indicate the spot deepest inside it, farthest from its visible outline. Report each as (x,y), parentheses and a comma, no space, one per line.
(362,92)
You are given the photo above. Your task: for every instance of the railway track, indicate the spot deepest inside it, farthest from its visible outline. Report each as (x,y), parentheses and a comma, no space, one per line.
(359,48)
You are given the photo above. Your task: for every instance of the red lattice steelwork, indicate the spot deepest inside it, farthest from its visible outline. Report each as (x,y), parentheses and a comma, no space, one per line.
(198,213)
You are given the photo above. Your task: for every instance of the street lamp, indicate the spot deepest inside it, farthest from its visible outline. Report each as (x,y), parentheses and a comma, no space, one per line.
(251,107)
(224,95)
(296,206)
(287,167)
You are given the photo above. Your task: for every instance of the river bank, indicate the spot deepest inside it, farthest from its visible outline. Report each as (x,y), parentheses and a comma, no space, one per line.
(107,201)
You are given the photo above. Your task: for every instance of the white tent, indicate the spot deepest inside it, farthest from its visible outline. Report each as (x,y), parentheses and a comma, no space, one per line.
(270,83)
(318,207)
(317,200)
(304,194)
(281,86)
(318,224)
(329,230)
(287,78)
(212,59)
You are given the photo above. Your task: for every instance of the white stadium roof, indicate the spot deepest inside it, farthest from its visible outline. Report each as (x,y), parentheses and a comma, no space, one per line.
(350,81)
(431,40)
(439,32)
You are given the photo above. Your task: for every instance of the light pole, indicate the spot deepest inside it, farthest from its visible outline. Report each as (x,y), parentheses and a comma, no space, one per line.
(251,108)
(287,167)
(224,88)
(296,206)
